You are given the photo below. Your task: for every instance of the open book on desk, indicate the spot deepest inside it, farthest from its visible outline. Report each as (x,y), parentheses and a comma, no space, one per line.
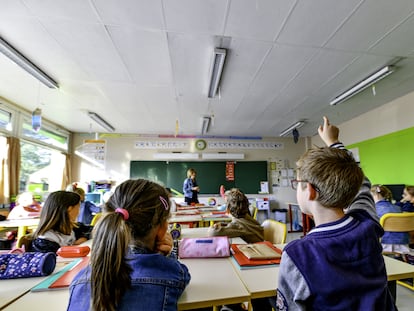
(261,254)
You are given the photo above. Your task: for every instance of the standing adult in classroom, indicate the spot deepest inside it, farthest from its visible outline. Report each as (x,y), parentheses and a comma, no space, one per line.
(190,187)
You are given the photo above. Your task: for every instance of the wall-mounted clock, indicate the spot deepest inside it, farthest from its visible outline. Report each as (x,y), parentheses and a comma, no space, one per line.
(200,144)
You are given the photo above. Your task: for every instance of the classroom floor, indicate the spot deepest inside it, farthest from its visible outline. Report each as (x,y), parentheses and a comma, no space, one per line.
(405,296)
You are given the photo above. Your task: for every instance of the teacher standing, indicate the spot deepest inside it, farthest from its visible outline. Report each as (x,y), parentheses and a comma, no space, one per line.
(190,187)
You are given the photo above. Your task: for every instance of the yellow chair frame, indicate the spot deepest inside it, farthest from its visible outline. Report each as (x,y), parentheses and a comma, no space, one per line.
(274,231)
(398,222)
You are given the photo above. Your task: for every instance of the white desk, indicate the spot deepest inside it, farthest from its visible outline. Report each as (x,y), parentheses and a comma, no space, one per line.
(21,224)
(213,282)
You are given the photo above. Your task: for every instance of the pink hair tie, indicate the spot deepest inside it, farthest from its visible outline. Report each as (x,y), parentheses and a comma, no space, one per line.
(164,203)
(123,212)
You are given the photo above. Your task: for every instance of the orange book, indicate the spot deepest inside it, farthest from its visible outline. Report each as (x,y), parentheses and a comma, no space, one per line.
(245,262)
(65,280)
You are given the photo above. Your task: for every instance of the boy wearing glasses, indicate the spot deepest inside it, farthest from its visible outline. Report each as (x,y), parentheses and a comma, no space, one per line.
(338,265)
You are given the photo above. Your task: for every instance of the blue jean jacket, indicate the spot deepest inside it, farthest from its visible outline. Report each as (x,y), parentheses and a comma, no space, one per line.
(157,283)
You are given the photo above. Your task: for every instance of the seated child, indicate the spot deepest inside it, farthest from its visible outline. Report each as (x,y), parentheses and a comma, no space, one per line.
(87,208)
(391,241)
(57,223)
(407,201)
(242,225)
(26,207)
(131,265)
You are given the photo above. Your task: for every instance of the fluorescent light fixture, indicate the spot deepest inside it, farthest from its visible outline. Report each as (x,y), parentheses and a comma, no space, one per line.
(175,155)
(98,119)
(216,71)
(289,130)
(205,125)
(360,86)
(26,64)
(223,156)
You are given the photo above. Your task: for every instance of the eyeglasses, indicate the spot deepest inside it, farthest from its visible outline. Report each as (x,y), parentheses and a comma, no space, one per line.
(295,182)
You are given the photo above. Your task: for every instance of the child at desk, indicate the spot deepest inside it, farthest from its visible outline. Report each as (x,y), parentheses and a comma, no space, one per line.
(57,224)
(407,201)
(338,265)
(243,225)
(87,208)
(131,265)
(391,241)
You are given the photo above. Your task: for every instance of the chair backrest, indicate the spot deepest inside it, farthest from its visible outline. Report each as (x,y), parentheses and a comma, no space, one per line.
(253,211)
(397,222)
(274,231)
(95,218)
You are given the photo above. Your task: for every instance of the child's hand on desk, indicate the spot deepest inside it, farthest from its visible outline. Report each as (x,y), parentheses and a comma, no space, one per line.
(217,225)
(165,245)
(80,241)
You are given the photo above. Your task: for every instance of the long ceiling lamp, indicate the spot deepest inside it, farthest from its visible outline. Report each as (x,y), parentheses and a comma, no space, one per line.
(289,130)
(362,85)
(26,64)
(98,119)
(216,71)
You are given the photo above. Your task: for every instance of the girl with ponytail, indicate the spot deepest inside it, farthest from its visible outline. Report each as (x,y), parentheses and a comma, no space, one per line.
(131,266)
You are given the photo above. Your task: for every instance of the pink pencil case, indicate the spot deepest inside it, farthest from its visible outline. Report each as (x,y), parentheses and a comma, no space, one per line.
(210,247)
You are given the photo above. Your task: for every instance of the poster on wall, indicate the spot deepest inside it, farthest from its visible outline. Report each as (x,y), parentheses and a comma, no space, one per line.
(94,151)
(230,171)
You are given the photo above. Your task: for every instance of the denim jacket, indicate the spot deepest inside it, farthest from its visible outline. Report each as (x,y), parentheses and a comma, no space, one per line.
(157,283)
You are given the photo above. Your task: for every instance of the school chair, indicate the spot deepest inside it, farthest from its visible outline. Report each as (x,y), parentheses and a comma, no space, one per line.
(399,222)
(95,218)
(274,231)
(253,211)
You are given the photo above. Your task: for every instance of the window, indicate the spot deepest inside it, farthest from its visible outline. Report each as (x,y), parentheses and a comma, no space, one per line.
(41,168)
(5,120)
(47,135)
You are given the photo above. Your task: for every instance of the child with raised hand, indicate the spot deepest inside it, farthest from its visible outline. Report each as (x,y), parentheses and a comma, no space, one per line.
(338,265)
(131,265)
(57,222)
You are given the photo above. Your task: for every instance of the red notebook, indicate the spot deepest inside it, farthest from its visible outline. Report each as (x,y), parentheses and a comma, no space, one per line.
(67,277)
(245,262)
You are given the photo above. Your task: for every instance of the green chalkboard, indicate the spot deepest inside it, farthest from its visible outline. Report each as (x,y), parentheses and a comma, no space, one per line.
(210,175)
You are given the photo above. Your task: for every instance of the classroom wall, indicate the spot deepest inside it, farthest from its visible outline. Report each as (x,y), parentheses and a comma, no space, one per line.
(120,150)
(382,138)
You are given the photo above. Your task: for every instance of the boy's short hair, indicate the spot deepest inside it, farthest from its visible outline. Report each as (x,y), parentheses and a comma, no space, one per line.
(237,203)
(333,173)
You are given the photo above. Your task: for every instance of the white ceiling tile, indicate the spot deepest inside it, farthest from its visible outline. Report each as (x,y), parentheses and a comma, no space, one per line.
(260,20)
(147,59)
(330,14)
(75,10)
(195,16)
(369,23)
(141,13)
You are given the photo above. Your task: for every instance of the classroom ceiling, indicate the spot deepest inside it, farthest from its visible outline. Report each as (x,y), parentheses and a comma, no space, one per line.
(144,65)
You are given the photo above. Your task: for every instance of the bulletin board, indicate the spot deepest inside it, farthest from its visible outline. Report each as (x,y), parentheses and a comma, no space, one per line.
(210,175)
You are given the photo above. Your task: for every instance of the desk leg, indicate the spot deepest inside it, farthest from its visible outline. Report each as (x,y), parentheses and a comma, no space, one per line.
(392,286)
(21,231)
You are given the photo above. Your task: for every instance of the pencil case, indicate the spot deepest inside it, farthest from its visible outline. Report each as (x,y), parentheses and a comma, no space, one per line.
(13,266)
(73,251)
(210,247)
